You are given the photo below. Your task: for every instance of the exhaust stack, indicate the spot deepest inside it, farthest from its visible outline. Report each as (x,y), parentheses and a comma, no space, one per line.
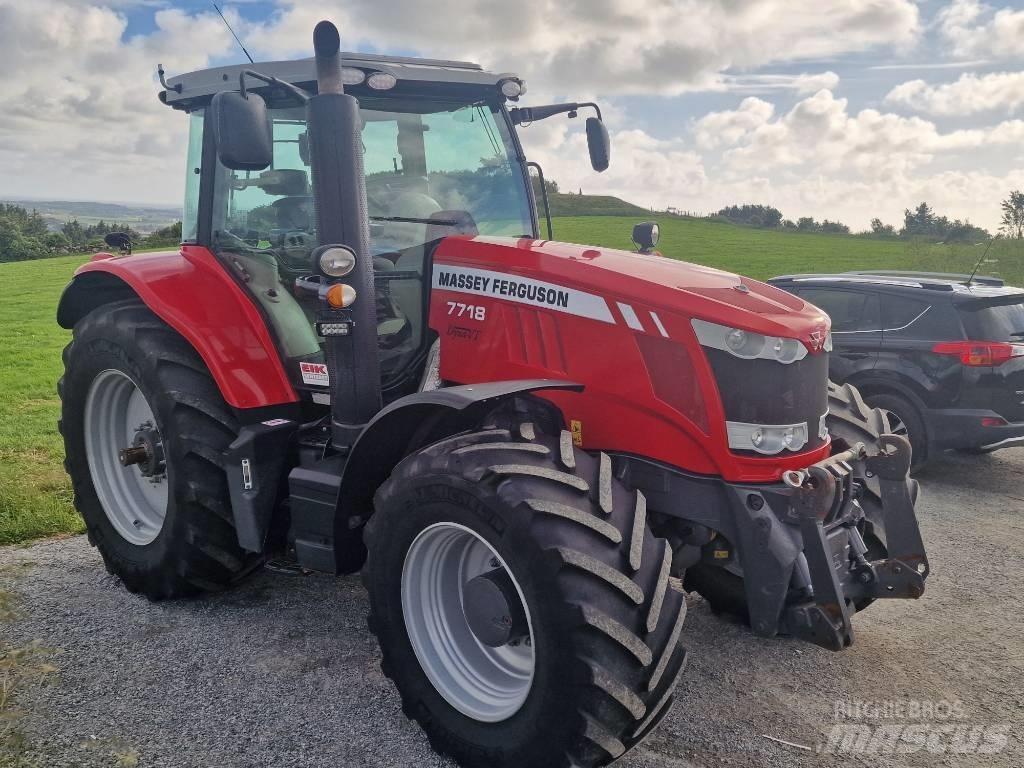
(339,193)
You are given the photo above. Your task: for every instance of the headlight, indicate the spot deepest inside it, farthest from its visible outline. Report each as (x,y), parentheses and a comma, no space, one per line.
(747,344)
(337,261)
(766,439)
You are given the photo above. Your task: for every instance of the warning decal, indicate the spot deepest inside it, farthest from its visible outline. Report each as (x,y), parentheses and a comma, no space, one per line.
(315,374)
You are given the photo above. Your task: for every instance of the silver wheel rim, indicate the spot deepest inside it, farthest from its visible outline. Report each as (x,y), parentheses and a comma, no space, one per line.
(895,423)
(115,410)
(484,683)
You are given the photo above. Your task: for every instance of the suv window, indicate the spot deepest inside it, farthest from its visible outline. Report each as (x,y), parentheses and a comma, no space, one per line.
(850,311)
(995,323)
(905,318)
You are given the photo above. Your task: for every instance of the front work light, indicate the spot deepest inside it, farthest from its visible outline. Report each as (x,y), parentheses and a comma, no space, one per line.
(352,75)
(382,81)
(512,88)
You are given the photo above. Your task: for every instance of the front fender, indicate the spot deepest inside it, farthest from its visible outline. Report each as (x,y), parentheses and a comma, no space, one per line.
(417,420)
(194,294)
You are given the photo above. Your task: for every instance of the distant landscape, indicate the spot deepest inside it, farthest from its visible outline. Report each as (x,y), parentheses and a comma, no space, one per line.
(142,218)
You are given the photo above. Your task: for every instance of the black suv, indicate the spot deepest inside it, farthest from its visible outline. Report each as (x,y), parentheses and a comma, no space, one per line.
(942,354)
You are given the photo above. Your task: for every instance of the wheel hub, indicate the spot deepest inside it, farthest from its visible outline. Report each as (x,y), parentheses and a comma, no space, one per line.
(130,482)
(146,452)
(493,609)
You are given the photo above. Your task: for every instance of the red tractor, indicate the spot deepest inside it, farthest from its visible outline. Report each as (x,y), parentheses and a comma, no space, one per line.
(364,357)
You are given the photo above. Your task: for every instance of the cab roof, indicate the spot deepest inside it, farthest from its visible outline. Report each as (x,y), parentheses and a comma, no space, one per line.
(196,88)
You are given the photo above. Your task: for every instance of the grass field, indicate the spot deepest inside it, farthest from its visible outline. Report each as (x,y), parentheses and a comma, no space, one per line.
(765,253)
(35,497)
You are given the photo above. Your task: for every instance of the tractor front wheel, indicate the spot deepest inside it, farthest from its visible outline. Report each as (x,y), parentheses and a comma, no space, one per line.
(145,428)
(523,607)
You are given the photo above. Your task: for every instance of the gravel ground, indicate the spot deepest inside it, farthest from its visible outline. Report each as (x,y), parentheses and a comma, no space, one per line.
(283,672)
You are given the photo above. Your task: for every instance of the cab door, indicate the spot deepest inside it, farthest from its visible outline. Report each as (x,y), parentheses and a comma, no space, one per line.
(856,328)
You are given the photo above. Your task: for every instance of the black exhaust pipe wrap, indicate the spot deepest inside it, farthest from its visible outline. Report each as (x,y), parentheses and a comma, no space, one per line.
(339,189)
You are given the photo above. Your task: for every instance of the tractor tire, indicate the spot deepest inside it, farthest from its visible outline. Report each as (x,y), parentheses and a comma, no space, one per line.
(595,669)
(166,533)
(850,421)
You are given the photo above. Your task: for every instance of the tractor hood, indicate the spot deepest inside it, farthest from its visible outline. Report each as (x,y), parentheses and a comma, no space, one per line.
(645,281)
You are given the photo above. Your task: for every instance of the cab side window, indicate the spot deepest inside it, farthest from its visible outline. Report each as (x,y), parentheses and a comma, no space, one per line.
(851,311)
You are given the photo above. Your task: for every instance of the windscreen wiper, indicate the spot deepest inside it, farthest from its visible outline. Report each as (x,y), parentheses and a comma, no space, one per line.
(414,220)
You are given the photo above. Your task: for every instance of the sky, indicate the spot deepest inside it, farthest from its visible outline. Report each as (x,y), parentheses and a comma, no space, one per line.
(839,109)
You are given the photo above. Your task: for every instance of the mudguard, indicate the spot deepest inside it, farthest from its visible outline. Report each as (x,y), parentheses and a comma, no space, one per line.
(417,419)
(192,292)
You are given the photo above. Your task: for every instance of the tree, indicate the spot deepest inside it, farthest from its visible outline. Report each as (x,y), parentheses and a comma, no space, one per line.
(1013,215)
(918,222)
(834,227)
(760,216)
(806,224)
(882,230)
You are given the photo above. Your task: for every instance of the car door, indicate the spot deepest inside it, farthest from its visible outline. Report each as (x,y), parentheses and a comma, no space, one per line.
(856,327)
(910,330)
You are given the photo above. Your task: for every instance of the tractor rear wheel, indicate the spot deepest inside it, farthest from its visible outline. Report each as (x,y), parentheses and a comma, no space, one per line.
(524,608)
(144,428)
(850,421)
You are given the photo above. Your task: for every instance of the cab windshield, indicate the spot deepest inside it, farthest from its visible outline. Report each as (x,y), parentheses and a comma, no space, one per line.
(421,158)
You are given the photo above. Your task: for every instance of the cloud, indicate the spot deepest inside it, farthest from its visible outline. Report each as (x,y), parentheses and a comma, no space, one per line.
(820,132)
(729,127)
(970,94)
(647,46)
(801,84)
(976,29)
(80,114)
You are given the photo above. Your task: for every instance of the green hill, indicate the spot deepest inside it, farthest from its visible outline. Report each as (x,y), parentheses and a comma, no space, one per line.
(591,205)
(763,253)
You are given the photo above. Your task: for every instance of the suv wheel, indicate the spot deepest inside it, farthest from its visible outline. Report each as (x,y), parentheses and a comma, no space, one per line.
(904,419)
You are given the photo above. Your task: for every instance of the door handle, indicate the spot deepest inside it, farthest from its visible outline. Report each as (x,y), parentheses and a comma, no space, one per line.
(855,355)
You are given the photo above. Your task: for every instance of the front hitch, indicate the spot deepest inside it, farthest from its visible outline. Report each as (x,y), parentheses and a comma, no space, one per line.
(824,502)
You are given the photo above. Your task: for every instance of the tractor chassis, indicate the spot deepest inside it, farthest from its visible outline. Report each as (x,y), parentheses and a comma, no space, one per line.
(798,545)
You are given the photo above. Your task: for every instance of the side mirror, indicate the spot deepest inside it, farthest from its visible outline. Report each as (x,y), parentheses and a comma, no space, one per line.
(119,240)
(242,131)
(646,236)
(598,143)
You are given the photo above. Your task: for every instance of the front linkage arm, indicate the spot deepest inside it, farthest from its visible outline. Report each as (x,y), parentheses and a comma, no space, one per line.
(824,503)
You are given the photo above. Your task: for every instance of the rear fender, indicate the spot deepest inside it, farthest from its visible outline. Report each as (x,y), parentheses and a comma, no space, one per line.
(196,296)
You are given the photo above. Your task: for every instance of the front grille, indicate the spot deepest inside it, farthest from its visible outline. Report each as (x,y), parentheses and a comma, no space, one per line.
(768,392)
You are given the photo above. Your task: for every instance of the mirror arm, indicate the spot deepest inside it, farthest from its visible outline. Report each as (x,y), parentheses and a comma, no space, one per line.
(295,90)
(521,115)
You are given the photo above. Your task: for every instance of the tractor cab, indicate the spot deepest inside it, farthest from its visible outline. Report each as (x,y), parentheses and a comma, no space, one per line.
(440,157)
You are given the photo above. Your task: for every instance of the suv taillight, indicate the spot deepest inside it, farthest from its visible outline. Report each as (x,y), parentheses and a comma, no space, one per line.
(980,353)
